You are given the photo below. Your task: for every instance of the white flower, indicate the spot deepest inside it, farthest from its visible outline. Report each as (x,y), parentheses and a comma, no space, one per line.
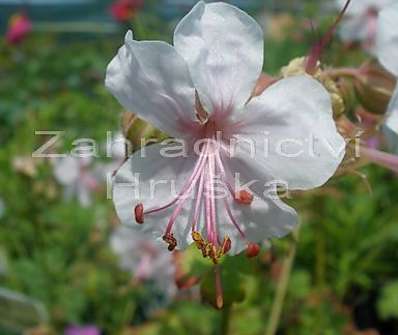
(217,57)
(75,175)
(387,53)
(144,258)
(360,20)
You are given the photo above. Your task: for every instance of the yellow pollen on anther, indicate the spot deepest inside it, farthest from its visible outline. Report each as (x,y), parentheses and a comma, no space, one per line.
(210,250)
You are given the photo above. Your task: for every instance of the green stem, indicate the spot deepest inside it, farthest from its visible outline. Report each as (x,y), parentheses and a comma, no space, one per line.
(281,289)
(320,259)
(225,320)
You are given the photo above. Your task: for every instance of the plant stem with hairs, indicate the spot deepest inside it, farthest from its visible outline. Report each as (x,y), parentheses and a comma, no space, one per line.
(281,289)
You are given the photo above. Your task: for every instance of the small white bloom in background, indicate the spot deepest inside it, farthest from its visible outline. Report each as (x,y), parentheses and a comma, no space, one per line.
(145,259)
(76,176)
(387,53)
(200,90)
(360,21)
(117,146)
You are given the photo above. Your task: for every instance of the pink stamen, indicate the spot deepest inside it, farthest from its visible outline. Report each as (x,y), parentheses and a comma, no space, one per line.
(208,165)
(208,216)
(198,202)
(231,217)
(232,192)
(224,174)
(198,167)
(211,167)
(195,176)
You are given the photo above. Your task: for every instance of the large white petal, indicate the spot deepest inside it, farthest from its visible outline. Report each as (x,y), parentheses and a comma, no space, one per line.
(149,178)
(224,49)
(152,80)
(293,134)
(387,38)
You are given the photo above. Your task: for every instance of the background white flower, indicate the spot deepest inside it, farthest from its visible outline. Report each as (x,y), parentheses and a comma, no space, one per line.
(145,259)
(360,21)
(387,53)
(77,178)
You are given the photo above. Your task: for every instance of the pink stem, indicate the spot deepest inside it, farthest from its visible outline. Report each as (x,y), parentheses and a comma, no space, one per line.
(381,158)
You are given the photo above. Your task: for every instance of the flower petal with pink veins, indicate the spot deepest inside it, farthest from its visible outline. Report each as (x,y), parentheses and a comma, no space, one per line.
(223,47)
(291,129)
(150,79)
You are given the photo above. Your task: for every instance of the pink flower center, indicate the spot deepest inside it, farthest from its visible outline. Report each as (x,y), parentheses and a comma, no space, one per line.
(208,171)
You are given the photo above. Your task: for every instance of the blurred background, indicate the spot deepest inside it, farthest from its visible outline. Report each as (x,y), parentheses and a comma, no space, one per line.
(66,265)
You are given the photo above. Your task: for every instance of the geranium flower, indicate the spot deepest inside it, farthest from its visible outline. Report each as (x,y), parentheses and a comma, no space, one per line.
(19,26)
(124,10)
(360,24)
(199,91)
(145,259)
(75,174)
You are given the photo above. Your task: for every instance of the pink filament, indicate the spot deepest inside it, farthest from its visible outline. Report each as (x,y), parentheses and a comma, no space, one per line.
(203,176)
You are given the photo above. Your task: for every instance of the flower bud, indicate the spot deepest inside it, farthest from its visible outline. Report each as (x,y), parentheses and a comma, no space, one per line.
(374,87)
(137,131)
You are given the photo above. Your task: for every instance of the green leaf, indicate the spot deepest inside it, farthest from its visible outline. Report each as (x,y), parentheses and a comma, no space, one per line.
(387,305)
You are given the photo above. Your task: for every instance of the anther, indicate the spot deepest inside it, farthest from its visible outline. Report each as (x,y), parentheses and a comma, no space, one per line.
(252,250)
(213,254)
(226,245)
(200,243)
(139,213)
(244,197)
(170,240)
